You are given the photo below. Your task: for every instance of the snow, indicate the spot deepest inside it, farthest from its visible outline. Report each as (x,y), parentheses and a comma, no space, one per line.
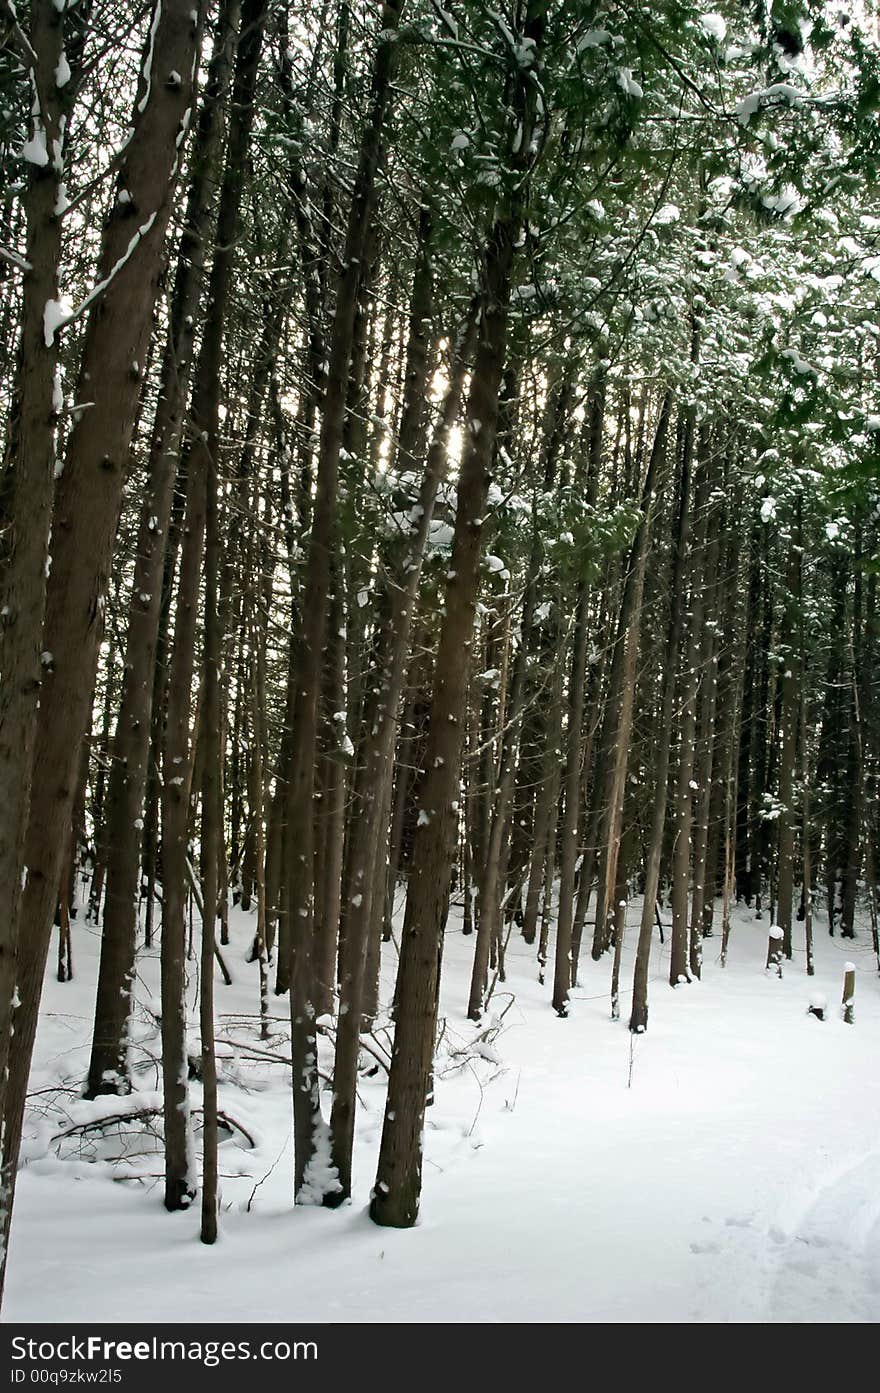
(722,1168)
(778,94)
(55,314)
(787,202)
(100,287)
(148,60)
(626,80)
(321,1177)
(34,150)
(798,363)
(714,25)
(62,71)
(440,534)
(594,38)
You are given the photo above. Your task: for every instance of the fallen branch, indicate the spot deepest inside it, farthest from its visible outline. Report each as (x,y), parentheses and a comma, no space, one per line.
(200,906)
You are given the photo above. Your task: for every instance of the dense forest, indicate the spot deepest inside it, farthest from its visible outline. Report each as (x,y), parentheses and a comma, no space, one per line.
(440,470)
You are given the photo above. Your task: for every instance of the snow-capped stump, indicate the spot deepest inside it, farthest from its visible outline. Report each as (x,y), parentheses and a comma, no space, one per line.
(849,991)
(774,950)
(818,1005)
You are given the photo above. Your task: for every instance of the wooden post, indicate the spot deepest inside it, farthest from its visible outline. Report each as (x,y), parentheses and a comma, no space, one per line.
(849,991)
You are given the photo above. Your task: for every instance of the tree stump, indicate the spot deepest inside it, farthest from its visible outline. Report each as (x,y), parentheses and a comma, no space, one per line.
(774,951)
(818,1005)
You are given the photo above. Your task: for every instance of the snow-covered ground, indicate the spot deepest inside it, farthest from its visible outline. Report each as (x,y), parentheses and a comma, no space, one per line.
(723,1167)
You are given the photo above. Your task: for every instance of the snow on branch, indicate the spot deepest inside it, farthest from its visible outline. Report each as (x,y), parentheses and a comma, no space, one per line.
(6,254)
(778,94)
(54,316)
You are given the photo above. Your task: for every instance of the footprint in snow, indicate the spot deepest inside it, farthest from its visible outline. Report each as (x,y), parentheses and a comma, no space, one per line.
(804,1266)
(836,1247)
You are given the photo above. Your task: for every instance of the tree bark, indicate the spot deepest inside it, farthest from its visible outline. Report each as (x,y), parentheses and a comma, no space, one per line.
(683,809)
(791,703)
(299,836)
(31,468)
(639,1014)
(371,819)
(89,494)
(397,1191)
(179,753)
(108,1065)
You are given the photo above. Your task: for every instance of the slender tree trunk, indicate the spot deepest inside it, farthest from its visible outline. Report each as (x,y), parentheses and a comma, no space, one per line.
(365,883)
(212,850)
(855,765)
(330,810)
(610,765)
(258,695)
(791,704)
(179,759)
(617,724)
(308,1123)
(705,741)
(397,1191)
(36,405)
(683,809)
(562,974)
(180,1176)
(108,1066)
(639,1013)
(88,500)
(490,893)
(621,895)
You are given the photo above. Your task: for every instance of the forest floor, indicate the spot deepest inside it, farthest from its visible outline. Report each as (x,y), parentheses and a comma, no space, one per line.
(723,1167)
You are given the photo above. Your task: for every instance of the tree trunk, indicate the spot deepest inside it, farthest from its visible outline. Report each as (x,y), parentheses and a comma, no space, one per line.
(705,739)
(88,499)
(308,1123)
(492,884)
(212,850)
(108,1065)
(36,405)
(683,810)
(562,973)
(639,1013)
(791,704)
(397,1191)
(365,884)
